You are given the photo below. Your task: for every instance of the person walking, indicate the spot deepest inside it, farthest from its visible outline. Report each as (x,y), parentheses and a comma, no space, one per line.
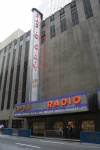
(61,131)
(68,131)
(2,126)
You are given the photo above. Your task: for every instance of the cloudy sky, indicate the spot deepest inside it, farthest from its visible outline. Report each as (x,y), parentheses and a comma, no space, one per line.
(15,14)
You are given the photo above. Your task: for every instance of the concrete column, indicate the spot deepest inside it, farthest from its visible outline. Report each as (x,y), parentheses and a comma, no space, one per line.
(25,126)
(10,123)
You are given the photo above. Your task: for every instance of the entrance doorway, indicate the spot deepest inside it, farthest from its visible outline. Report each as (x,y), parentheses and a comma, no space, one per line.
(37,128)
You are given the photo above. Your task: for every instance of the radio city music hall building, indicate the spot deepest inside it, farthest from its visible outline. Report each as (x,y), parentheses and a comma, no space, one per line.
(50,76)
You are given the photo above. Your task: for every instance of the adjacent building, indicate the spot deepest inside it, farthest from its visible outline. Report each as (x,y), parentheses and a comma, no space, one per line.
(52,79)
(51,6)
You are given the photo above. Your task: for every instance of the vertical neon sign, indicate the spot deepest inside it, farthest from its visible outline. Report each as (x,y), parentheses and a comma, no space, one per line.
(34,53)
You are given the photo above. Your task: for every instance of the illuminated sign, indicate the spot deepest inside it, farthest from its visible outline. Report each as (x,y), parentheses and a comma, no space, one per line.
(23,107)
(62,104)
(34,53)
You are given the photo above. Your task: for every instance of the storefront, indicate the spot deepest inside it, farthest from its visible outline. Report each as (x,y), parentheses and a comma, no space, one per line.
(76,109)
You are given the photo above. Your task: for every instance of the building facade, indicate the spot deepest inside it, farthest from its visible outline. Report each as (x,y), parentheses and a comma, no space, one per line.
(69,73)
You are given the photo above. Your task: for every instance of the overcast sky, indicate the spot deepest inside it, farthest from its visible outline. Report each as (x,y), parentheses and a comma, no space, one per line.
(15,14)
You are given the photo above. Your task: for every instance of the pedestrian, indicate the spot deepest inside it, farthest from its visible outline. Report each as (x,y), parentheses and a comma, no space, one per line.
(64,131)
(61,132)
(68,131)
(2,126)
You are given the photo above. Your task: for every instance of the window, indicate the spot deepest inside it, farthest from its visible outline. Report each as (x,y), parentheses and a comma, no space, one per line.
(15,44)
(62,20)
(5,81)
(10,45)
(99,1)
(25,72)
(17,75)
(5,49)
(28,33)
(28,36)
(87,8)
(52,26)
(21,40)
(88,125)
(11,79)
(43,23)
(43,37)
(74,13)
(2,68)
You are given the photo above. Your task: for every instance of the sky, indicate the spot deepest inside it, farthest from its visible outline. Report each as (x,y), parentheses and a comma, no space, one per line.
(15,14)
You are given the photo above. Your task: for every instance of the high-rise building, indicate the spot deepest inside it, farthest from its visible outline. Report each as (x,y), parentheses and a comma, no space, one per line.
(49,7)
(52,79)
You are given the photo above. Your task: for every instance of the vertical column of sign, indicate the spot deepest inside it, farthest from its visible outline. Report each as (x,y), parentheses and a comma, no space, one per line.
(35,47)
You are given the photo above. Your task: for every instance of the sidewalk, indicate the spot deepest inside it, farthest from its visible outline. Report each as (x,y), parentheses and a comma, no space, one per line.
(59,139)
(50,138)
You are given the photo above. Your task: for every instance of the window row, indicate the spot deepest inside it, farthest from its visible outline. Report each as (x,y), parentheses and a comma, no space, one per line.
(15,43)
(25,68)
(75,19)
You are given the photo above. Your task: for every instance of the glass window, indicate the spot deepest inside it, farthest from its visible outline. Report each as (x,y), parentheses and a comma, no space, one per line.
(74,13)
(88,125)
(21,42)
(52,26)
(87,8)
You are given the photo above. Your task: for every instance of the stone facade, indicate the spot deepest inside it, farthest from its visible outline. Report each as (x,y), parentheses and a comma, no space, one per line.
(70,62)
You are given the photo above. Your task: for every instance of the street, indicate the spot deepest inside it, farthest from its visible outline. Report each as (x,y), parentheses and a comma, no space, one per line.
(22,143)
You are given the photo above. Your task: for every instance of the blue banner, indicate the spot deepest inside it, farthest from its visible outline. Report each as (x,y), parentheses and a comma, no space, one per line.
(24,133)
(90,137)
(7,131)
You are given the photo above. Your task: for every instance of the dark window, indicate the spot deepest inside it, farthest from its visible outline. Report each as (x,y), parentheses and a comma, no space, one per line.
(5,49)
(21,38)
(5,81)
(10,45)
(52,22)
(43,37)
(62,20)
(43,23)
(11,79)
(74,13)
(25,72)
(52,26)
(28,33)
(2,68)
(62,11)
(42,33)
(51,18)
(99,1)
(87,8)
(17,123)
(15,42)
(17,75)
